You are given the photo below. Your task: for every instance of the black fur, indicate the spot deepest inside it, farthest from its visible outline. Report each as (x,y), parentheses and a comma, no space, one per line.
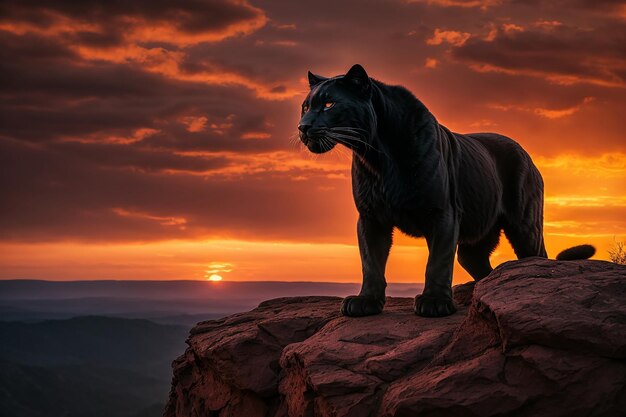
(412,173)
(576,252)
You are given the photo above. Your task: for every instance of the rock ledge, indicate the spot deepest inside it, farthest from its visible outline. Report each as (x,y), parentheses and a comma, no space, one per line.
(536,338)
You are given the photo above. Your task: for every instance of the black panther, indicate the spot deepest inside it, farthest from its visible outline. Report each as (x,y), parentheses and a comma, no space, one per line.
(412,173)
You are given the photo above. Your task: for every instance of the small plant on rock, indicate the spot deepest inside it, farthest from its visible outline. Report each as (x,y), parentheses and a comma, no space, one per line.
(617,253)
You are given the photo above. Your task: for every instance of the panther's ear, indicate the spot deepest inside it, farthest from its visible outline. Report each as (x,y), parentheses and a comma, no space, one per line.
(315,79)
(358,77)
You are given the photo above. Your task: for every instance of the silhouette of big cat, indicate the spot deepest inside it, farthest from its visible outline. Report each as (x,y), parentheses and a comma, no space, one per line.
(412,173)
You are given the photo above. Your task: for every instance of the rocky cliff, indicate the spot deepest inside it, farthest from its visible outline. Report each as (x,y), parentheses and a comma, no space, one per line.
(535,338)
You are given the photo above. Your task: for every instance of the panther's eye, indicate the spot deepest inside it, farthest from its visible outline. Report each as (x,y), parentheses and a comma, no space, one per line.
(328,105)
(305,108)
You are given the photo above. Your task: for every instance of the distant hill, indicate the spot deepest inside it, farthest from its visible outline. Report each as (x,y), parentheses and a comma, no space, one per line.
(78,391)
(177,302)
(138,345)
(87,366)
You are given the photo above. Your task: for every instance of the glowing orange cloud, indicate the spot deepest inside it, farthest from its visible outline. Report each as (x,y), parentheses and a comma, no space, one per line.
(452,37)
(194,123)
(547,113)
(168,64)
(162,220)
(562,79)
(256,135)
(136,29)
(482,4)
(137,136)
(431,63)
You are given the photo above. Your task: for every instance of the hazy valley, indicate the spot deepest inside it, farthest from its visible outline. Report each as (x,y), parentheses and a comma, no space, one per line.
(104,348)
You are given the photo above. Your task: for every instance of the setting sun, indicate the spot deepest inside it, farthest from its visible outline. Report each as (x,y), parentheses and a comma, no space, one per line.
(214,277)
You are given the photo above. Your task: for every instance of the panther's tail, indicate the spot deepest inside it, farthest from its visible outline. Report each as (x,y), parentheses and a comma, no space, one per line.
(576,252)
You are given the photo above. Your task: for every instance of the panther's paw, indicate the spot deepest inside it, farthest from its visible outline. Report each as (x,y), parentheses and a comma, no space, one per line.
(361,305)
(433,306)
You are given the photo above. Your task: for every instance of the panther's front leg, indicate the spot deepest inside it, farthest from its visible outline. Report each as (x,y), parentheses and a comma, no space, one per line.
(374,245)
(436,299)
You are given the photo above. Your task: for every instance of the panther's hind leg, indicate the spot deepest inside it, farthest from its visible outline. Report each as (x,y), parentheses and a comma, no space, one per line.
(526,239)
(474,257)
(523,216)
(524,228)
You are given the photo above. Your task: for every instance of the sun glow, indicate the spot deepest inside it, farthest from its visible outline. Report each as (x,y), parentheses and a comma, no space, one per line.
(214,277)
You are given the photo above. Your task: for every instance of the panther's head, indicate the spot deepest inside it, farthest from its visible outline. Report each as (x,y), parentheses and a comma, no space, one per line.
(338,110)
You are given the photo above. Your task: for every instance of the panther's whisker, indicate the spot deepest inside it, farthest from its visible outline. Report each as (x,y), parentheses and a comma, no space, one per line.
(350,134)
(345,142)
(345,135)
(323,144)
(341,135)
(328,143)
(344,153)
(355,129)
(346,138)
(294,141)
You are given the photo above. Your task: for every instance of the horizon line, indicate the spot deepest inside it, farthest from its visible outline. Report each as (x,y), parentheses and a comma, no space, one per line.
(193,280)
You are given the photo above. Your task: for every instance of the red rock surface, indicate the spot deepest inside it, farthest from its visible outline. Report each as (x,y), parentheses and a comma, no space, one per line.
(537,338)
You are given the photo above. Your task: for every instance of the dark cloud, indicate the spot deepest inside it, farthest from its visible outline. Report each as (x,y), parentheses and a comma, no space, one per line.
(193,16)
(95,39)
(29,46)
(564,54)
(137,157)
(606,7)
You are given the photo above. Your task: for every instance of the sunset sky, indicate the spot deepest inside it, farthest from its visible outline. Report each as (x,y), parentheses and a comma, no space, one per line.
(154,139)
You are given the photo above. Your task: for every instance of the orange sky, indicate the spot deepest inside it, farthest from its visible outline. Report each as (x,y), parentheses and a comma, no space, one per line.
(153,140)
